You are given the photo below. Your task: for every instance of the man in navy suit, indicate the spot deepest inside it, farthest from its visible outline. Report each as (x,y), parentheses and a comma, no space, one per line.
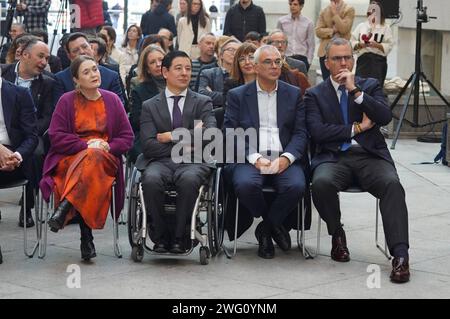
(18,134)
(77,44)
(275,111)
(344,115)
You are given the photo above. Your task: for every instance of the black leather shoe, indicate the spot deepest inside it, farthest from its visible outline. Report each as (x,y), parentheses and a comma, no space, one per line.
(281,236)
(339,250)
(87,250)
(56,222)
(400,270)
(160,248)
(28,220)
(177,247)
(266,249)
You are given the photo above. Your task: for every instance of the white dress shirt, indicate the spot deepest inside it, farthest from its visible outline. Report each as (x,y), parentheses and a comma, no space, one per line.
(269,135)
(170,101)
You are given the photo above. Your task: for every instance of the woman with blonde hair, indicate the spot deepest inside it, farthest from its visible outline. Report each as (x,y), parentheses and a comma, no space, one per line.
(150,82)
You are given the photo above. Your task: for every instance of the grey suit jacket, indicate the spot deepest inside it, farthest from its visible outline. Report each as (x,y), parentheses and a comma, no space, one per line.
(155,118)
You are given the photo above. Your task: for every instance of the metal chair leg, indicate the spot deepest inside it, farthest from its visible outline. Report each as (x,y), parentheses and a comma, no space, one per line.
(385,251)
(117,250)
(301,241)
(44,220)
(25,233)
(225,250)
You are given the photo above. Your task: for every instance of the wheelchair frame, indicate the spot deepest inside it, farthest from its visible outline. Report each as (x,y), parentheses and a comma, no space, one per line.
(207,200)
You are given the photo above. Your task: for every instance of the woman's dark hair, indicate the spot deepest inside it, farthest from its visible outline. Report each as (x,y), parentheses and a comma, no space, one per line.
(253,36)
(202,15)
(236,72)
(19,41)
(40,34)
(75,65)
(139,30)
(152,39)
(111,33)
(382,16)
(101,51)
(168,59)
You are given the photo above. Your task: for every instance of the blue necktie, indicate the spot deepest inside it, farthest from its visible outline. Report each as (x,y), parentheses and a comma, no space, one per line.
(177,118)
(344,109)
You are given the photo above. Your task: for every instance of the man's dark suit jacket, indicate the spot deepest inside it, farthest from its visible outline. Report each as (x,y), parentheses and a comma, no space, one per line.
(242,111)
(110,82)
(326,124)
(42,93)
(20,120)
(155,118)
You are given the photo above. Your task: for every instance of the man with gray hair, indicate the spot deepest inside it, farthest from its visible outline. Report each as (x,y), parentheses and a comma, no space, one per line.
(206,46)
(278,39)
(344,114)
(276,111)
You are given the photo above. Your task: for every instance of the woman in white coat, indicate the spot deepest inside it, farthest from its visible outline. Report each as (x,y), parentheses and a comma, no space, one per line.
(192,27)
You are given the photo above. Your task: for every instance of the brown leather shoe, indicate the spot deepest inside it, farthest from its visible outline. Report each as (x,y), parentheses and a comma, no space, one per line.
(339,250)
(400,270)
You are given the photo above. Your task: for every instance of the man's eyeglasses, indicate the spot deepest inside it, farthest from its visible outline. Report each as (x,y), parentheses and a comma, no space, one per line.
(268,63)
(339,58)
(276,43)
(249,58)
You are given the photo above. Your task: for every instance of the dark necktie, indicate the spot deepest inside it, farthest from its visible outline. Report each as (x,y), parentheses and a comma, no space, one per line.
(344,109)
(177,118)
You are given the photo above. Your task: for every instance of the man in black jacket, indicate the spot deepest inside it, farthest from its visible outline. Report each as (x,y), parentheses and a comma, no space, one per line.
(244,17)
(28,73)
(158,17)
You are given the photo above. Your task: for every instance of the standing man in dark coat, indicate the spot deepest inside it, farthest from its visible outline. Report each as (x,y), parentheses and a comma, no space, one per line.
(244,17)
(158,17)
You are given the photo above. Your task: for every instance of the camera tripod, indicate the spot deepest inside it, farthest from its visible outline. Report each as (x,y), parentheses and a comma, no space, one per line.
(414,80)
(9,19)
(61,19)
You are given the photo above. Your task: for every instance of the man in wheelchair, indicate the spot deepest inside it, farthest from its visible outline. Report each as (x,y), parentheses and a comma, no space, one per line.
(174,110)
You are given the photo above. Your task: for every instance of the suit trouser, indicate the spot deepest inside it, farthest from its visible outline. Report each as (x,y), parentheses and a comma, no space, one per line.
(187,179)
(374,175)
(248,183)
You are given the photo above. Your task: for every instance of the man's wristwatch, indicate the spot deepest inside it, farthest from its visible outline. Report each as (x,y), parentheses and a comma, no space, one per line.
(355,90)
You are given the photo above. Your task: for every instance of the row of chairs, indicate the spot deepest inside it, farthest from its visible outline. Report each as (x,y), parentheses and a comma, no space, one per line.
(212,200)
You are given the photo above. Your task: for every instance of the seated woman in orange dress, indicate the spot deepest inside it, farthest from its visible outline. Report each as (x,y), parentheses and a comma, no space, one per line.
(89,132)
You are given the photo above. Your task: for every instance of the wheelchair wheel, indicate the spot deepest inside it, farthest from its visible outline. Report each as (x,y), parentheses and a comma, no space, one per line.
(216,213)
(134,217)
(204,255)
(137,253)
